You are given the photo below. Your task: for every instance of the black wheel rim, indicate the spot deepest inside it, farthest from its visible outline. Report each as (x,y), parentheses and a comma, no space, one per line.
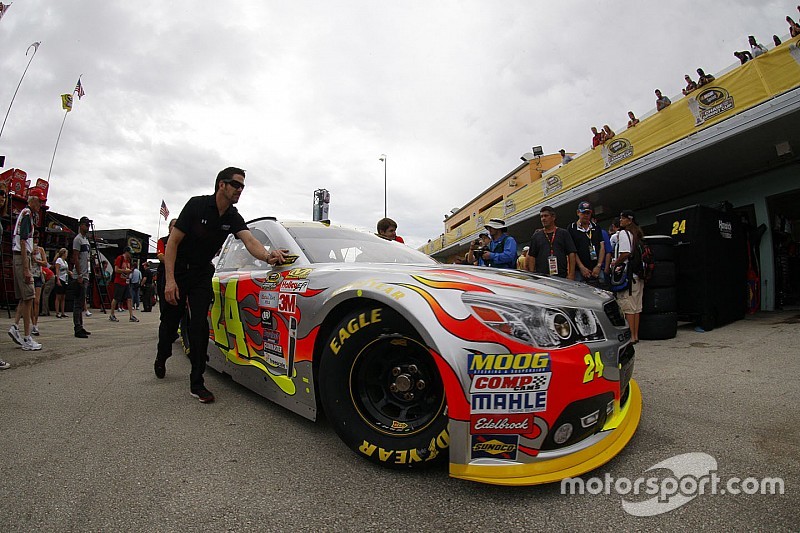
(395,386)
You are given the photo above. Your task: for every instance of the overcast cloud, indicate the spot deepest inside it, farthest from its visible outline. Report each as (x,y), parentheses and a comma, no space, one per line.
(308,94)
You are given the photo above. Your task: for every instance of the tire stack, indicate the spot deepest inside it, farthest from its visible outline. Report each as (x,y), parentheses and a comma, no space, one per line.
(659,318)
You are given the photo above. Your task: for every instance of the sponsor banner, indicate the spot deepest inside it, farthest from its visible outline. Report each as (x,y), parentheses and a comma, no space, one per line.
(615,151)
(501,424)
(272,348)
(508,402)
(510,383)
(508,363)
(495,446)
(272,336)
(709,103)
(292,285)
(268,299)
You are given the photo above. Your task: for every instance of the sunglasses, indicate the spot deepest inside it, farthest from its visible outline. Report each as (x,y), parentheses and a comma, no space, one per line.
(238,185)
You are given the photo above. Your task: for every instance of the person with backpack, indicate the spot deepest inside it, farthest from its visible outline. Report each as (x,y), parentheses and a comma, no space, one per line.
(627,257)
(503,248)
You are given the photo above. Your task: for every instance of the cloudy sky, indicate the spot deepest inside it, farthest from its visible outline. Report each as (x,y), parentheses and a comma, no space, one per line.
(308,94)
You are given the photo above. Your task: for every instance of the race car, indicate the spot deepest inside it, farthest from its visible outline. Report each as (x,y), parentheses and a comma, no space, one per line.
(512,377)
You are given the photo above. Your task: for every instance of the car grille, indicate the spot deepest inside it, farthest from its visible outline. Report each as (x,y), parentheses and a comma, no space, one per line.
(626,371)
(614,313)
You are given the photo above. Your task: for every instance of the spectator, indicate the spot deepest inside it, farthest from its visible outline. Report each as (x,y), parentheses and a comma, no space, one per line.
(794,28)
(565,157)
(589,246)
(161,247)
(38,260)
(147,288)
(522,258)
(136,280)
(690,85)
(755,48)
(632,120)
(776,40)
(80,261)
(502,251)
(3,193)
(630,300)
(483,241)
(387,228)
(122,285)
(49,284)
(608,134)
(597,138)
(62,272)
(661,101)
(704,79)
(552,252)
(744,56)
(188,268)
(22,250)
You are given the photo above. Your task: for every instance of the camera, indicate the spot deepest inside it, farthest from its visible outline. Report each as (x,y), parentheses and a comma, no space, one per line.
(479,251)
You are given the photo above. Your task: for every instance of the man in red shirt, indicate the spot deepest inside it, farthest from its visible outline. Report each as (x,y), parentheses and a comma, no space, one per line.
(122,289)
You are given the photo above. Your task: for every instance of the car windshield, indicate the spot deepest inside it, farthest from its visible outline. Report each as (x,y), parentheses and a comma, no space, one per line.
(325,244)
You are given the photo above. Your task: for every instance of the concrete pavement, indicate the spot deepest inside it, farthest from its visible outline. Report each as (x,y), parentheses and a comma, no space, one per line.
(90,440)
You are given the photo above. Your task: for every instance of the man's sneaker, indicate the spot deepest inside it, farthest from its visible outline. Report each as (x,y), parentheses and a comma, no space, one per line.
(87,332)
(13,332)
(4,365)
(87,313)
(112,318)
(134,319)
(28,344)
(35,330)
(81,334)
(160,368)
(203,394)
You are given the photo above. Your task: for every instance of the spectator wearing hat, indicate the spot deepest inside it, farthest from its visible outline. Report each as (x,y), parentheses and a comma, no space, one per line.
(122,286)
(630,301)
(552,252)
(704,79)
(24,289)
(502,251)
(475,256)
(523,258)
(80,261)
(590,248)
(565,157)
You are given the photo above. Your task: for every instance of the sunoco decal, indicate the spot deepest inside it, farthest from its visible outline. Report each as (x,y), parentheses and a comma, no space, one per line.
(709,103)
(494,446)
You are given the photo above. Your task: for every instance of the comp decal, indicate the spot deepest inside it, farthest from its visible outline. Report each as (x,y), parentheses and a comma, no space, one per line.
(511,383)
(406,457)
(495,446)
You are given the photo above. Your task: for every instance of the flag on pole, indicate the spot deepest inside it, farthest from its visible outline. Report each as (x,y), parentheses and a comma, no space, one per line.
(66,102)
(3,9)
(164,210)
(79,89)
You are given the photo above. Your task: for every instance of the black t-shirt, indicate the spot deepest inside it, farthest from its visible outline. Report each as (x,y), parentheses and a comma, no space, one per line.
(205,230)
(542,247)
(584,242)
(147,276)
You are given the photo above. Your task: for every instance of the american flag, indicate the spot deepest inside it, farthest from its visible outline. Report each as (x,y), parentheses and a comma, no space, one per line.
(79,89)
(164,210)
(3,9)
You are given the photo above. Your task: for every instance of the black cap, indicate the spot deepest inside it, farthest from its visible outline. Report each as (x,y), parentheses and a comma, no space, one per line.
(627,213)
(85,220)
(127,249)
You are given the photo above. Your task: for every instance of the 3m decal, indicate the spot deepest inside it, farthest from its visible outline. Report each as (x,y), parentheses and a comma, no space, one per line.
(268,299)
(363,320)
(405,457)
(498,446)
(511,383)
(508,402)
(501,424)
(292,285)
(299,273)
(287,303)
(508,363)
(594,367)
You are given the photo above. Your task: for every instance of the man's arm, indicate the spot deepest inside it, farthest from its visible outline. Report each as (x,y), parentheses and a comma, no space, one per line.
(257,249)
(571,265)
(530,262)
(170,288)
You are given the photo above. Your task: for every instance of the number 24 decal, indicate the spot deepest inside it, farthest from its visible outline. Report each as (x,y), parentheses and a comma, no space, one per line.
(679,226)
(594,367)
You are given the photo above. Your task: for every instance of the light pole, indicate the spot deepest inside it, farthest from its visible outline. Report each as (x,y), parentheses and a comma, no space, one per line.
(383,158)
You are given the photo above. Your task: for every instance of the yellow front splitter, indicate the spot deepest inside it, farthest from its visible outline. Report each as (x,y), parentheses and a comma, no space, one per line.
(619,431)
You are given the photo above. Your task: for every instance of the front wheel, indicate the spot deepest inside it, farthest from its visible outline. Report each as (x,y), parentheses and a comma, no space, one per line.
(382,392)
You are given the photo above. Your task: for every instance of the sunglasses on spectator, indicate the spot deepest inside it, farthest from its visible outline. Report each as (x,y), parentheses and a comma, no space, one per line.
(238,185)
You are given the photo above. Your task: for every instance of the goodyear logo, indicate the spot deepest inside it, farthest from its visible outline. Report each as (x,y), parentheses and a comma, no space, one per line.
(508,363)
(618,150)
(710,103)
(497,446)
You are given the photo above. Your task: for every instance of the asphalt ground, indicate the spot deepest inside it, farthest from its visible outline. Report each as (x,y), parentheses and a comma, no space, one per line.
(90,440)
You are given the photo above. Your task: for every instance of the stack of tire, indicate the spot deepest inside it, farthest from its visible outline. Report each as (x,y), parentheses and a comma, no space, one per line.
(659,318)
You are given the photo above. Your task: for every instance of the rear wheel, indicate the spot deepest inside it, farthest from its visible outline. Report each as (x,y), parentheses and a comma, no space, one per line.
(382,392)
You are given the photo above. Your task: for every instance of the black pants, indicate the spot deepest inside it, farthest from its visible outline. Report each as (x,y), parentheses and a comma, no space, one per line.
(79,286)
(194,286)
(147,297)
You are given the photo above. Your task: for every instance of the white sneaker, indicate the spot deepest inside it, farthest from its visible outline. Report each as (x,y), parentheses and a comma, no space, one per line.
(34,330)
(13,332)
(87,313)
(28,344)
(4,365)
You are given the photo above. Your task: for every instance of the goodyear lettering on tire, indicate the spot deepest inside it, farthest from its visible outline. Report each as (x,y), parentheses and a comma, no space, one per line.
(408,457)
(353,326)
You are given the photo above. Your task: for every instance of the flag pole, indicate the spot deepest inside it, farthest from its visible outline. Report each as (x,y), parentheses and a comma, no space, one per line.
(35,47)
(56,148)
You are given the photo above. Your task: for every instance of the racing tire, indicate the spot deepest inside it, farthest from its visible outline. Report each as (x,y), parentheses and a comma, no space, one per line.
(663,275)
(382,392)
(662,246)
(659,300)
(658,326)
